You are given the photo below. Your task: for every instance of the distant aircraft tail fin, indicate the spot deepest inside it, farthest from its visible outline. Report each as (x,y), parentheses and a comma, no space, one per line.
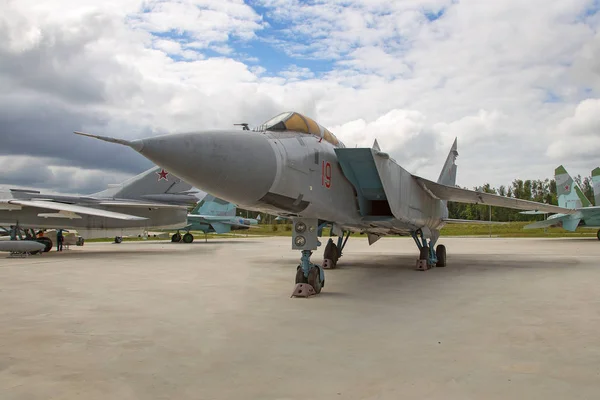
(155,184)
(448,174)
(569,193)
(212,205)
(596,185)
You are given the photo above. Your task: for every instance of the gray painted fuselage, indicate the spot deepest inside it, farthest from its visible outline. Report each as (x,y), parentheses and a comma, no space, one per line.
(282,173)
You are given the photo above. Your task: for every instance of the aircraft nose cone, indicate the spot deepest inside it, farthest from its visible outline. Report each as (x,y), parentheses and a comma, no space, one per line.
(238,166)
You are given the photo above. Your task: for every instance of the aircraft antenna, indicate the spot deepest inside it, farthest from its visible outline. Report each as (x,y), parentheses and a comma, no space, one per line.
(244,126)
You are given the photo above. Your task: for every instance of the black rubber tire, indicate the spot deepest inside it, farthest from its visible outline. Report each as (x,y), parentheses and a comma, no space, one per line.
(47,242)
(424,253)
(300,278)
(176,238)
(331,253)
(188,238)
(314,279)
(118,239)
(598,235)
(440,253)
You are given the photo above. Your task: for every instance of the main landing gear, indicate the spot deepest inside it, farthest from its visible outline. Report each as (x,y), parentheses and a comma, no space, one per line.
(598,235)
(186,238)
(428,258)
(333,251)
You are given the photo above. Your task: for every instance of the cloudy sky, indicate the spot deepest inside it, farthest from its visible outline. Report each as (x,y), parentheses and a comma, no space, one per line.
(518,82)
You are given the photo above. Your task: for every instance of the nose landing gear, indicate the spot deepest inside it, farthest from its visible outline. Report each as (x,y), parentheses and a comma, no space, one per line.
(310,277)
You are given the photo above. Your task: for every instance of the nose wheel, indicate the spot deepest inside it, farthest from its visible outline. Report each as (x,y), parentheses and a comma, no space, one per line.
(310,278)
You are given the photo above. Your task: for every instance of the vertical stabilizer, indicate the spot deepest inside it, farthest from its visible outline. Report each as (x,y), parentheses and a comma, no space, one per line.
(155,184)
(448,174)
(214,206)
(569,193)
(596,185)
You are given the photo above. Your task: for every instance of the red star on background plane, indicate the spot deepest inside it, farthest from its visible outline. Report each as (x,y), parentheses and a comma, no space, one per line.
(162,175)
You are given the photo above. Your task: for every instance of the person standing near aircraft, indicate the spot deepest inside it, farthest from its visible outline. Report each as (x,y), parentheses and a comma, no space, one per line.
(59,240)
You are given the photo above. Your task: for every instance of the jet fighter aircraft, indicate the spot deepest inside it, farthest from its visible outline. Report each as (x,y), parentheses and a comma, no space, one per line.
(153,199)
(291,166)
(213,215)
(571,196)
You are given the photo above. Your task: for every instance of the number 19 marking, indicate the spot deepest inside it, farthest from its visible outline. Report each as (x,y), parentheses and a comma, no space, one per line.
(326,174)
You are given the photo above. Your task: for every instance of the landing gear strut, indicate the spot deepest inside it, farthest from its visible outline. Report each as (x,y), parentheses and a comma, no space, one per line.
(310,277)
(428,258)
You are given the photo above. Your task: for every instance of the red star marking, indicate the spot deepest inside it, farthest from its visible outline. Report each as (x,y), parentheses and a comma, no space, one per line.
(566,187)
(162,175)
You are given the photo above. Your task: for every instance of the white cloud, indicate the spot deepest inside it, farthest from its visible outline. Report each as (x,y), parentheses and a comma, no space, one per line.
(294,73)
(507,87)
(578,135)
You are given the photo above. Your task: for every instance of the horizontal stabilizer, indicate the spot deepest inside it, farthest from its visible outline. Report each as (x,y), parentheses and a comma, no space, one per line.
(459,195)
(472,221)
(568,222)
(220,227)
(49,205)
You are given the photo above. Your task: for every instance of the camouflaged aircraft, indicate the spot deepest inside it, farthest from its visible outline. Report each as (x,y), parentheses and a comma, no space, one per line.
(571,196)
(292,167)
(212,215)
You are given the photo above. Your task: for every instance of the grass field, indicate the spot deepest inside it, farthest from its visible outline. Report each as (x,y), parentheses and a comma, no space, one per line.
(513,229)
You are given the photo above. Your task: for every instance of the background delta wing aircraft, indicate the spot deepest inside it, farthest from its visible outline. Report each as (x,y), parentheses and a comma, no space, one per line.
(213,215)
(154,199)
(571,196)
(291,166)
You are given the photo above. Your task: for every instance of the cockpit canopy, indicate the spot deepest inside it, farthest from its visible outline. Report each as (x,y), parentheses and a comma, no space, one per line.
(293,121)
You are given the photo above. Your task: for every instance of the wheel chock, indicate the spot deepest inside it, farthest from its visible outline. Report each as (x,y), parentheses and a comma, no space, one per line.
(328,264)
(303,290)
(422,265)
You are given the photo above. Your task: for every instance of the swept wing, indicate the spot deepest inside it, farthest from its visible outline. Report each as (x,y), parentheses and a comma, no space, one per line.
(71,208)
(459,195)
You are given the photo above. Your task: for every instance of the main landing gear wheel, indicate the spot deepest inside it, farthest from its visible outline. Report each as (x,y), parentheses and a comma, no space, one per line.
(440,253)
(598,235)
(314,279)
(176,238)
(188,238)
(46,242)
(330,255)
(118,239)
